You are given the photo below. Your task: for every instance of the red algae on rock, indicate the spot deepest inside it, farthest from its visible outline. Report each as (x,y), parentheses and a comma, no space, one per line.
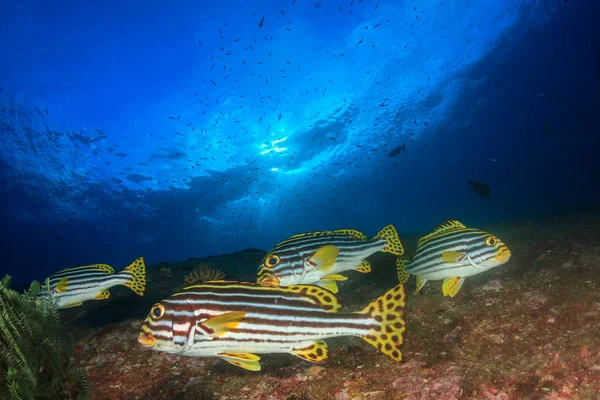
(526,330)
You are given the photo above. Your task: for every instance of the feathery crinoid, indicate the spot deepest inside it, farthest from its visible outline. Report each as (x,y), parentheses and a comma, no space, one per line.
(203,272)
(35,350)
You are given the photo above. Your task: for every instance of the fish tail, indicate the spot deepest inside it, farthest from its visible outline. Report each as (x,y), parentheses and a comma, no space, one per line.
(393,244)
(403,274)
(137,269)
(387,312)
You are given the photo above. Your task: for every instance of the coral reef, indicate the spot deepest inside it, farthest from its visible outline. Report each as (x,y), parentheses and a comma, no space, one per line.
(35,350)
(526,330)
(203,272)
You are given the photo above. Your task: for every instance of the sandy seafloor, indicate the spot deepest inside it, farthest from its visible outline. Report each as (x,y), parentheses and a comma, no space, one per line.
(529,329)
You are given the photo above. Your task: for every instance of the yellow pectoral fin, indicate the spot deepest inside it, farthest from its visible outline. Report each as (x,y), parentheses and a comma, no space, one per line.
(324,258)
(247,361)
(329,285)
(334,277)
(105,294)
(364,267)
(452,257)
(221,324)
(451,286)
(315,352)
(62,285)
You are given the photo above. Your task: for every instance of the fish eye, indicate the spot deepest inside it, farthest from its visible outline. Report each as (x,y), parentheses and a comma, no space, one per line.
(272,261)
(491,241)
(157,311)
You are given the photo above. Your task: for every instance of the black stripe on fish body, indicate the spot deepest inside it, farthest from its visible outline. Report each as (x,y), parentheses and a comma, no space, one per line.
(107,281)
(454,241)
(306,293)
(292,259)
(82,275)
(103,268)
(241,301)
(325,238)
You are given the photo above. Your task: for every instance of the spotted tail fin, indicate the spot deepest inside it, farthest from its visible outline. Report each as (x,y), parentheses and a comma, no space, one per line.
(387,311)
(393,244)
(403,274)
(137,269)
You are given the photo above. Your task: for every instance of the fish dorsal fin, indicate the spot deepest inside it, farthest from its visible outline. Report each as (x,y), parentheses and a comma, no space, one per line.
(221,324)
(445,227)
(315,352)
(62,285)
(104,268)
(247,361)
(317,295)
(353,233)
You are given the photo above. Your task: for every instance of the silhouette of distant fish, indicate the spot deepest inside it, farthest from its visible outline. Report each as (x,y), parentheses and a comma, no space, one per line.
(480,188)
(397,150)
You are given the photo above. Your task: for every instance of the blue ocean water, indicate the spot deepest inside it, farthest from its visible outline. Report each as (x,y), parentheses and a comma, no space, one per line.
(198,128)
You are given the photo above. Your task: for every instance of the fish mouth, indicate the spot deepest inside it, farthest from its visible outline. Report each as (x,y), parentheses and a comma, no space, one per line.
(503,256)
(270,281)
(147,339)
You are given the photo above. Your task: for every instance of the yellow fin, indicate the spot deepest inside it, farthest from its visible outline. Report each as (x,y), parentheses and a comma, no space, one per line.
(387,312)
(403,275)
(452,257)
(62,285)
(137,269)
(247,361)
(105,294)
(329,285)
(315,352)
(334,277)
(324,258)
(444,227)
(221,324)
(364,267)
(353,233)
(451,286)
(420,283)
(104,268)
(393,244)
(317,295)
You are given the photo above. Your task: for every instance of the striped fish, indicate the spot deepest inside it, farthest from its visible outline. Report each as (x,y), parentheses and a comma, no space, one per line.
(452,252)
(237,320)
(318,257)
(72,286)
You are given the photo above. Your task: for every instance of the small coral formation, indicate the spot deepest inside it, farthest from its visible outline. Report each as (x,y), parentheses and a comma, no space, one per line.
(165,271)
(203,272)
(35,350)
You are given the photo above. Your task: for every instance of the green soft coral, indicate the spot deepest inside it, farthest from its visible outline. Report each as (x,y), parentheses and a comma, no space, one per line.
(35,350)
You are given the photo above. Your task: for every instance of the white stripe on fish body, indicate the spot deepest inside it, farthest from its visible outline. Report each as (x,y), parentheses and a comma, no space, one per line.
(297,336)
(445,270)
(348,259)
(80,292)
